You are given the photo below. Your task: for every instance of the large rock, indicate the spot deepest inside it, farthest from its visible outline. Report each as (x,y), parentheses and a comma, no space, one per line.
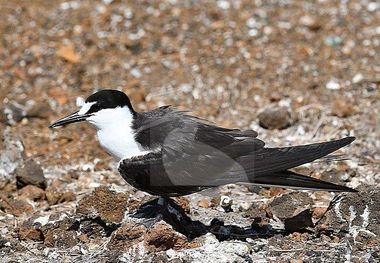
(356,216)
(108,205)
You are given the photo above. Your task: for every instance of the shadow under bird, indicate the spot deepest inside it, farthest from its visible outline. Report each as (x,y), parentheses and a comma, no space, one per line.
(166,152)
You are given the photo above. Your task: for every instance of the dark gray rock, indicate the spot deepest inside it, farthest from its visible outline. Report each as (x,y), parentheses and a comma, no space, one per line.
(30,173)
(300,222)
(13,113)
(288,205)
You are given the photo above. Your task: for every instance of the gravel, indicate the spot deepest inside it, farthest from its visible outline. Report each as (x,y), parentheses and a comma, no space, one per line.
(225,61)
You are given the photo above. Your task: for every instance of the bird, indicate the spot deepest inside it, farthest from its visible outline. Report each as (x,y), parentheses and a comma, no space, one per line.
(167,152)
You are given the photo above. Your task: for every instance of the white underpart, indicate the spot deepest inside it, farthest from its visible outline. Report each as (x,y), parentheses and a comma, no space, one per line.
(115,133)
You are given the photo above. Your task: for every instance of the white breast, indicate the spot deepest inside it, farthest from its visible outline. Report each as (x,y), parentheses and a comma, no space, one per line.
(115,133)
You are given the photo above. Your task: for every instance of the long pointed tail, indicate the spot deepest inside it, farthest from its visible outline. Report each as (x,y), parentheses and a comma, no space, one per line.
(269,166)
(269,160)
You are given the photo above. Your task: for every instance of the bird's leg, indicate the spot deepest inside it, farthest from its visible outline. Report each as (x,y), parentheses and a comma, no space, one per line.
(153,211)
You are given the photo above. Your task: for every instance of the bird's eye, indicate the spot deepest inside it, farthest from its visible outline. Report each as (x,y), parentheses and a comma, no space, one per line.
(94,108)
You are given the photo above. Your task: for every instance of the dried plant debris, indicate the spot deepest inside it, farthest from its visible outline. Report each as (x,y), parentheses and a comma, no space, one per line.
(296,72)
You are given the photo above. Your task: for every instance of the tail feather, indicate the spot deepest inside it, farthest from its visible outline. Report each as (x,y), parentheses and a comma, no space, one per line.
(290,179)
(271,160)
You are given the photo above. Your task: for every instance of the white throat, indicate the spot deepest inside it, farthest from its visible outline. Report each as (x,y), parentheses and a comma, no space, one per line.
(115,133)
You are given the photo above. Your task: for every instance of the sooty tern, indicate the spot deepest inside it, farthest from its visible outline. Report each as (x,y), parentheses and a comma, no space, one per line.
(169,153)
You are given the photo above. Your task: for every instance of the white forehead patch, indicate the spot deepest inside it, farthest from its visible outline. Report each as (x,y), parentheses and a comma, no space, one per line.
(80,101)
(85,107)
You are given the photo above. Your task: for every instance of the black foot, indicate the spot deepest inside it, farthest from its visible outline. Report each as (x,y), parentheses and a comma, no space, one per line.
(151,209)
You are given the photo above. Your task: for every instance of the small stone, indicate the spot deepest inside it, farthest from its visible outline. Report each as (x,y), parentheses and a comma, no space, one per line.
(13,113)
(204,203)
(318,212)
(54,197)
(244,206)
(333,41)
(310,22)
(343,108)
(332,85)
(30,173)
(67,52)
(226,203)
(299,222)
(40,109)
(275,118)
(67,197)
(255,211)
(32,192)
(215,201)
(373,6)
(357,78)
(183,203)
(223,4)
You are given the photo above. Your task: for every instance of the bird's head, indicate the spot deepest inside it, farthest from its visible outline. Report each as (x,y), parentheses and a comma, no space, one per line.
(105,107)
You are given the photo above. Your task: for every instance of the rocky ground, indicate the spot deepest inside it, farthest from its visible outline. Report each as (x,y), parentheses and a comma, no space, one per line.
(315,64)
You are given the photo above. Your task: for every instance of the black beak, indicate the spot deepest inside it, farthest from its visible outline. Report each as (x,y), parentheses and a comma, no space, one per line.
(74,117)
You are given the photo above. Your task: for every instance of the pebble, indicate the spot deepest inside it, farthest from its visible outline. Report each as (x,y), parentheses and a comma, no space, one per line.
(32,192)
(333,85)
(343,108)
(275,118)
(204,203)
(310,22)
(222,4)
(67,52)
(13,113)
(357,78)
(333,41)
(226,203)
